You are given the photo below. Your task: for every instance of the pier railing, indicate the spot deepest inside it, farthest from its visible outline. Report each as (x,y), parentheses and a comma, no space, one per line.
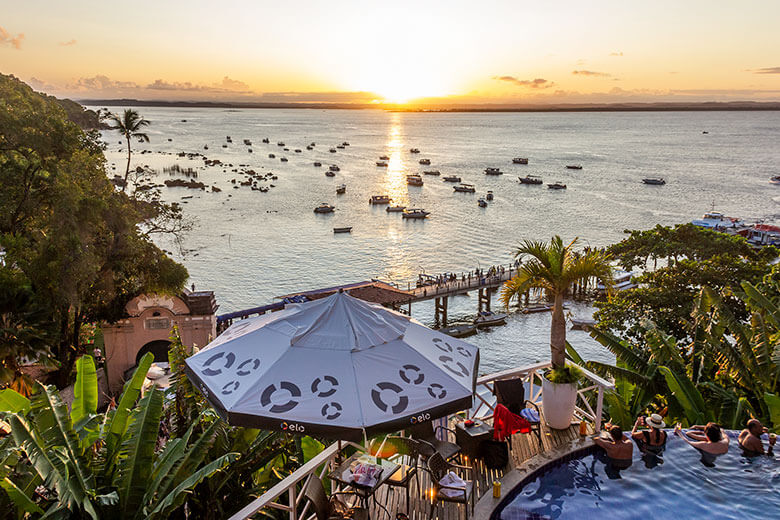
(288,495)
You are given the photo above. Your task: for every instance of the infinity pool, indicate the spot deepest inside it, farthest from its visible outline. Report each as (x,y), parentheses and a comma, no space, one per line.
(676,485)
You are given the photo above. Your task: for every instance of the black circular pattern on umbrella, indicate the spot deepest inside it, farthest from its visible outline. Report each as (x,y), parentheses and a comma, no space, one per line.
(376,396)
(456,367)
(411,374)
(331,411)
(463,351)
(241,370)
(230,387)
(230,358)
(442,345)
(235,330)
(437,391)
(324,386)
(265,398)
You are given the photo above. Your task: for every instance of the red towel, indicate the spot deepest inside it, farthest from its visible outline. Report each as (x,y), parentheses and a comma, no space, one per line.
(505,423)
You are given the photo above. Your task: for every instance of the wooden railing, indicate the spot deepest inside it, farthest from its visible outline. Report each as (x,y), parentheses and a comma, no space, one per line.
(287,495)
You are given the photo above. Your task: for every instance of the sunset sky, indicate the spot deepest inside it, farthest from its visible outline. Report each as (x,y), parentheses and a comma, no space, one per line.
(511,51)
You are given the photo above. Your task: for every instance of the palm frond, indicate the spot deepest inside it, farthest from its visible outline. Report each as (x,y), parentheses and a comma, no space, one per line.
(633,357)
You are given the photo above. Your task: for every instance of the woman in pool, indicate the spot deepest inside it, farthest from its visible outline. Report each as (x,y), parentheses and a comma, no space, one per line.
(709,440)
(653,439)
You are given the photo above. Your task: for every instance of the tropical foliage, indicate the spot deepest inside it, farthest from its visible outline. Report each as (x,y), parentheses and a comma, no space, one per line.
(554,268)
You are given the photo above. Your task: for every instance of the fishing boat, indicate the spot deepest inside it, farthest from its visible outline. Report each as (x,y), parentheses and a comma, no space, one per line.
(654,180)
(493,171)
(775,180)
(489,195)
(342,229)
(431,172)
(317,163)
(414,180)
(465,188)
(482,203)
(414,150)
(621,281)
(533,308)
(395,209)
(451,178)
(556,186)
(530,179)
(581,324)
(380,199)
(520,160)
(271,156)
(382,164)
(425,162)
(573,166)
(415,213)
(330,174)
(717,221)
(459,330)
(384,158)
(324,208)
(488,319)
(334,168)
(340,190)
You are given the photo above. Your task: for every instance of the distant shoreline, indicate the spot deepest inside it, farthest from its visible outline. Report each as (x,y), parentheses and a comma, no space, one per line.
(607,107)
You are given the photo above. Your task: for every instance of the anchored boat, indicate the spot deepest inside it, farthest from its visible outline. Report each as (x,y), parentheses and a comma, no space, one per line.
(416,213)
(654,180)
(324,208)
(493,171)
(488,319)
(465,188)
(520,160)
(574,166)
(414,180)
(341,189)
(380,199)
(556,186)
(342,229)
(459,330)
(482,203)
(451,178)
(395,209)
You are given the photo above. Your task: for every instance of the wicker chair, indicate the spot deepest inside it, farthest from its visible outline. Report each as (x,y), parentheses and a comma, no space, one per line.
(438,468)
(430,444)
(511,393)
(410,449)
(330,508)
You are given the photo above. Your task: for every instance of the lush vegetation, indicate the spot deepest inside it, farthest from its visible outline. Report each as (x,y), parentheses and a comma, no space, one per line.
(73,250)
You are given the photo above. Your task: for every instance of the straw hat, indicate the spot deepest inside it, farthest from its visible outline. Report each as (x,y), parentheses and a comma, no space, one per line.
(655,421)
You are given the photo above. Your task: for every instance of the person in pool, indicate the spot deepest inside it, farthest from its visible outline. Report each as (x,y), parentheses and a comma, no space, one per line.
(618,448)
(709,440)
(750,439)
(653,439)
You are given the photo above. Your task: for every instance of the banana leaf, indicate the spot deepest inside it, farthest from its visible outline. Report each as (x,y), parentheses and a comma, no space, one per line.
(85,391)
(687,395)
(13,402)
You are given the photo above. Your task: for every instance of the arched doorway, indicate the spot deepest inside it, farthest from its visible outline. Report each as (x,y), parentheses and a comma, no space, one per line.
(158,347)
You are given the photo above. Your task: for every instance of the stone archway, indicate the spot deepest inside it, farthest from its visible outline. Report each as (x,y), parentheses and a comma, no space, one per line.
(158,347)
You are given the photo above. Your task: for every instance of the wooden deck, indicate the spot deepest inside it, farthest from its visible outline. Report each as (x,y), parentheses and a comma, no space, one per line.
(523,448)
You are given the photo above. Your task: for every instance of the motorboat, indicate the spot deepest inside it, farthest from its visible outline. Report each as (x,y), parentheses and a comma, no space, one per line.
(493,171)
(247,142)
(205,147)
(414,150)
(266,140)
(451,178)
(717,221)
(380,199)
(488,319)
(332,150)
(271,156)
(424,162)
(489,195)
(533,308)
(347,229)
(654,180)
(330,174)
(384,158)
(775,180)
(325,208)
(465,188)
(556,186)
(334,168)
(520,160)
(297,150)
(223,146)
(395,209)
(573,166)
(310,148)
(229,139)
(530,179)
(414,180)
(345,143)
(431,172)
(340,190)
(582,324)
(459,330)
(382,164)
(280,143)
(415,213)
(312,144)
(283,159)
(317,163)
(482,203)
(621,281)
(340,147)
(249,150)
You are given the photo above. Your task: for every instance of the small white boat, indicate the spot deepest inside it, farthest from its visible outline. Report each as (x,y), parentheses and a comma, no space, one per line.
(488,318)
(340,190)
(395,209)
(380,199)
(324,208)
(621,281)
(482,203)
(493,171)
(334,168)
(451,178)
(414,180)
(717,221)
(533,308)
(383,164)
(520,160)
(459,330)
(415,213)
(582,324)
(424,161)
(465,188)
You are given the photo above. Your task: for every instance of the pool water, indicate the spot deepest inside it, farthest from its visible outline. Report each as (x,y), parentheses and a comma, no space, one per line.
(676,485)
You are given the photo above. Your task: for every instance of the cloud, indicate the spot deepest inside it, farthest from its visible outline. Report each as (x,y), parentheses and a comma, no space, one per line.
(8,38)
(767,70)
(226,85)
(537,83)
(615,53)
(101,82)
(176,85)
(591,73)
(233,84)
(69,43)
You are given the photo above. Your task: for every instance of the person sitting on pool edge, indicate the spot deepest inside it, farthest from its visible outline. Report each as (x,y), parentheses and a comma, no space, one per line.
(618,448)
(750,439)
(709,440)
(653,439)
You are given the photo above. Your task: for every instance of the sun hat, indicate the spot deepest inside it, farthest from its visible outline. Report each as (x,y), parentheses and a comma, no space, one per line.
(655,421)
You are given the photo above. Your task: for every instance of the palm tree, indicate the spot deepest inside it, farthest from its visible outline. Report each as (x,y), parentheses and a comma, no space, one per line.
(129,124)
(553,268)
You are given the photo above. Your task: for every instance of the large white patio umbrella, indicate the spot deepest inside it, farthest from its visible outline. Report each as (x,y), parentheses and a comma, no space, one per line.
(338,367)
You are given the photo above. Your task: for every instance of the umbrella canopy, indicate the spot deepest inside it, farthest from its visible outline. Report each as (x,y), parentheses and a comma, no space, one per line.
(338,367)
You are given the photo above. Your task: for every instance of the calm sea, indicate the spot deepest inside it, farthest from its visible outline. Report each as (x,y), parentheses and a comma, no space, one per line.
(250,246)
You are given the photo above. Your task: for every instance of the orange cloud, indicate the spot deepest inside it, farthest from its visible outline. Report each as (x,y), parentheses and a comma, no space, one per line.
(591,73)
(538,83)
(68,43)
(8,38)
(767,70)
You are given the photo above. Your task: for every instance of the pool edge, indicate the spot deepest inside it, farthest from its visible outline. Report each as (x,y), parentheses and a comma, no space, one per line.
(487,504)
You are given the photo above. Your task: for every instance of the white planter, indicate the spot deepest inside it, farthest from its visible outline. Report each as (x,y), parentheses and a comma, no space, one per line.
(558,402)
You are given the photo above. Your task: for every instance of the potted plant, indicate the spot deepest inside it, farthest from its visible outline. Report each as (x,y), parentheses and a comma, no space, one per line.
(553,268)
